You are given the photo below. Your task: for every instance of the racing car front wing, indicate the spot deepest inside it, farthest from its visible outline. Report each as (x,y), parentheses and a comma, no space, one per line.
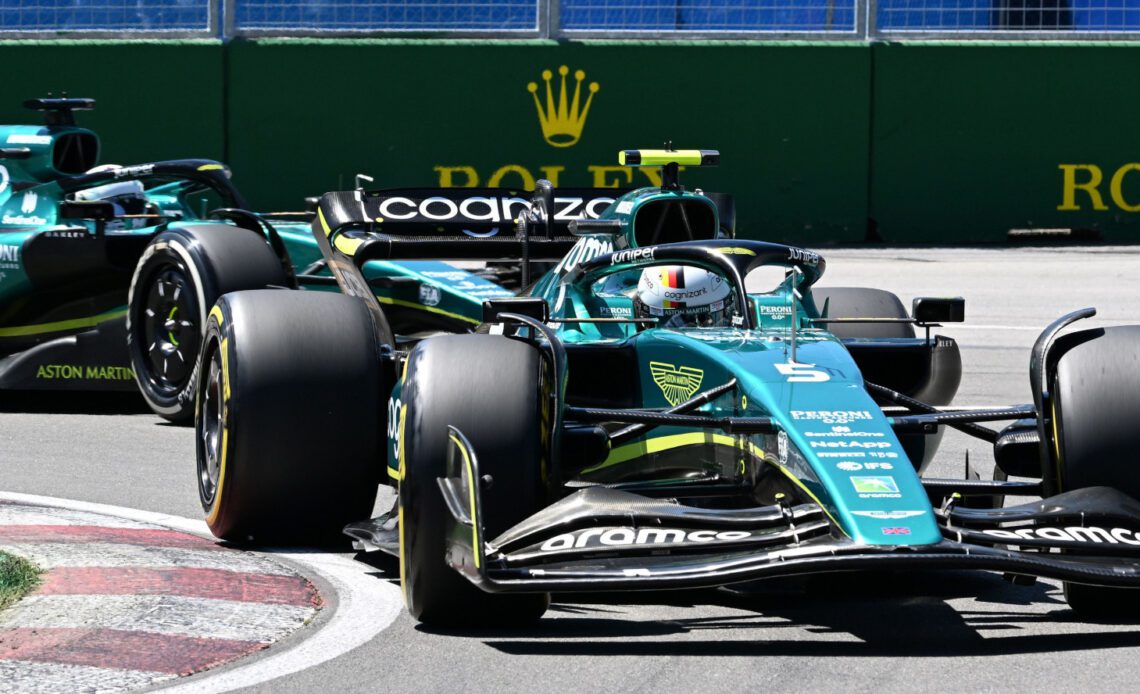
(602,539)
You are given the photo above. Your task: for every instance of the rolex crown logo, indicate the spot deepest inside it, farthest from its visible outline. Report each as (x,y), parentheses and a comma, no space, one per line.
(562,122)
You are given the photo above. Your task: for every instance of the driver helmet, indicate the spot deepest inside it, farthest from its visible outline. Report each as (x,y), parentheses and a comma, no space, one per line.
(128,198)
(683,296)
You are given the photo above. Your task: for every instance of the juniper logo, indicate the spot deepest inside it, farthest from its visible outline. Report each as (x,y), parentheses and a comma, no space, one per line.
(562,121)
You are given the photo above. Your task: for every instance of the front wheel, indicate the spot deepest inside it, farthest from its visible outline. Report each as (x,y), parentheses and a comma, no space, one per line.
(289,424)
(1096,405)
(179,277)
(491,388)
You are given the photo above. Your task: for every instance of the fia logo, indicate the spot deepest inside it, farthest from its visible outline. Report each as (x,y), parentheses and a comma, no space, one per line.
(28,205)
(562,122)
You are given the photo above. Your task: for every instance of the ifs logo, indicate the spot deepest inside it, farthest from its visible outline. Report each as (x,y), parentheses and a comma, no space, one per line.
(562,122)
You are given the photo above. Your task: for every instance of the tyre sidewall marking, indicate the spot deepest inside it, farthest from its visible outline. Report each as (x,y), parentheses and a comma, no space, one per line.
(223,347)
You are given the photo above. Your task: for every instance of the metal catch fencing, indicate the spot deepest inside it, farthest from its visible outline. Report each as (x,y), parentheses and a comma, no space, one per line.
(656,19)
(53,18)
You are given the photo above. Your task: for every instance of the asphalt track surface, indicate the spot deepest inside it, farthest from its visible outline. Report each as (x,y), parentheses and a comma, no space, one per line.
(913,632)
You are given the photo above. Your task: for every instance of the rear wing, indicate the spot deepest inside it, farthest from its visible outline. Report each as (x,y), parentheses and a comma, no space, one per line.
(455,223)
(354,227)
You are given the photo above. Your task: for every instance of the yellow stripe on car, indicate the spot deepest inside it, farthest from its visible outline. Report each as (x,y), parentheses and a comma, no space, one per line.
(58,326)
(475,544)
(631,451)
(420,307)
(324,224)
(799,483)
(346,245)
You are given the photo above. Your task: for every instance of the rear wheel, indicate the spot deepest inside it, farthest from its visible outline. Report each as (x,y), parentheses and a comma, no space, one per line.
(289,422)
(179,277)
(490,388)
(862,302)
(1096,405)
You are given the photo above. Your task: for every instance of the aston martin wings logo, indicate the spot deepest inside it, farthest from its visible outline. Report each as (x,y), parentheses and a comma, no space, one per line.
(677,383)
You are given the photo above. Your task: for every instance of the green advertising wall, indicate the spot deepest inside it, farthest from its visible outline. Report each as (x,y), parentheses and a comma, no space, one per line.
(821,142)
(791,121)
(971,141)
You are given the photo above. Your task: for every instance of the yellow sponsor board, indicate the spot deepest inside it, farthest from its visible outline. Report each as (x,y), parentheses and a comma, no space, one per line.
(1082,188)
(562,111)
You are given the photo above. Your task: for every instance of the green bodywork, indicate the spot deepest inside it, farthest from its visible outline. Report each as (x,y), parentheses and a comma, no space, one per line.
(67,277)
(834,445)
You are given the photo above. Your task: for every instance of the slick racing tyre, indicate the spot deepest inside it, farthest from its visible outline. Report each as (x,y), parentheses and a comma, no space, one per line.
(862,302)
(179,277)
(1096,405)
(289,425)
(489,387)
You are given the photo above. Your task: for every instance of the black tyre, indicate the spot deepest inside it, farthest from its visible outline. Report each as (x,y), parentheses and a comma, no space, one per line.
(862,302)
(490,388)
(290,416)
(179,277)
(1096,405)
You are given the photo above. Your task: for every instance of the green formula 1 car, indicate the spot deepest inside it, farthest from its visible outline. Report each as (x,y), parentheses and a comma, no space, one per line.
(637,418)
(107,272)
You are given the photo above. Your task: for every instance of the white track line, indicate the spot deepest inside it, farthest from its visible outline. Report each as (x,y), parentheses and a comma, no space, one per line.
(366,605)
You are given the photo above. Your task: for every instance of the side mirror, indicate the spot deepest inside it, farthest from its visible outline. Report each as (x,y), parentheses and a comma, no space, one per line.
(97,210)
(929,309)
(15,152)
(588,227)
(532,307)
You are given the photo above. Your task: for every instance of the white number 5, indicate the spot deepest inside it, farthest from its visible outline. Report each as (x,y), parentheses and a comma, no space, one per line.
(802,373)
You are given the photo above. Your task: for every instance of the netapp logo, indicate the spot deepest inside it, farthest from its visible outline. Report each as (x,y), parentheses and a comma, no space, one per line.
(626,537)
(850,444)
(1114,536)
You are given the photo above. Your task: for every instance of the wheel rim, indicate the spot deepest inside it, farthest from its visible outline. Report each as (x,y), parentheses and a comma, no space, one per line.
(210,431)
(170,329)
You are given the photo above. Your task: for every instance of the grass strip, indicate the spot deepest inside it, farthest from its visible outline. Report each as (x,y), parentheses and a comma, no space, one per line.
(18,577)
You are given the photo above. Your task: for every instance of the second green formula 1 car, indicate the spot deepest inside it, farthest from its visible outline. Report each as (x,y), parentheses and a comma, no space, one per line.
(107,272)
